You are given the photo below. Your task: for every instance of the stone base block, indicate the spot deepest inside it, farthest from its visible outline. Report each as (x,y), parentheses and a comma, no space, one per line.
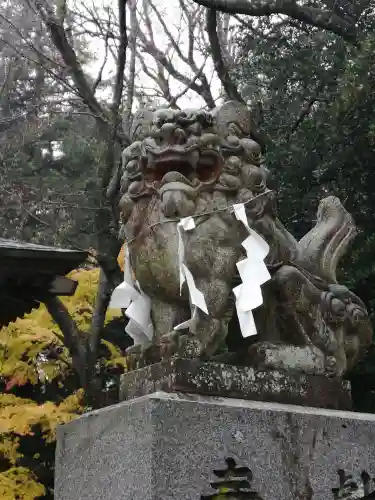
(216,379)
(168,447)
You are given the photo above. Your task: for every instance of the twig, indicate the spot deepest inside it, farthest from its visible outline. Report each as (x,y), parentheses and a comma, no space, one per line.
(321,18)
(220,66)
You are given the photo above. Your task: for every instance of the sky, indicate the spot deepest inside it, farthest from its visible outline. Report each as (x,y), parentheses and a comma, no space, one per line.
(171,13)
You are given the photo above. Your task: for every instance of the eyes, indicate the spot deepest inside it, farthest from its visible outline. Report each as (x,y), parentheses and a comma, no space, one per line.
(234,164)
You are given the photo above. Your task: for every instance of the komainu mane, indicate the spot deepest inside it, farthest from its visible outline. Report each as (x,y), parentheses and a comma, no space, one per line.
(198,163)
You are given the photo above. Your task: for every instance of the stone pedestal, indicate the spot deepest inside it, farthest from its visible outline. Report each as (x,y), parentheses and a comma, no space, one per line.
(166,446)
(242,382)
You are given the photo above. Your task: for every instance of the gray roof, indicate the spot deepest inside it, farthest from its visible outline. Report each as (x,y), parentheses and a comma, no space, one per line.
(13,247)
(32,246)
(26,270)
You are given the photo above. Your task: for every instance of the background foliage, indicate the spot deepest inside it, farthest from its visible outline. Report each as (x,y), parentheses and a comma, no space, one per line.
(314,95)
(311,92)
(40,390)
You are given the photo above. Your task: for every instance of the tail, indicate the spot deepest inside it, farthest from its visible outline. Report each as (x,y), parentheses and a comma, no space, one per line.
(322,248)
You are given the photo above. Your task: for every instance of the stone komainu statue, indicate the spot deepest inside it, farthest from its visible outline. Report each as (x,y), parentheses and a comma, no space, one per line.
(184,163)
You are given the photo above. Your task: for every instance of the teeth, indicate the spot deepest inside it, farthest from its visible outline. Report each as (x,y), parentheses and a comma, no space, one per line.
(192,176)
(194,159)
(151,160)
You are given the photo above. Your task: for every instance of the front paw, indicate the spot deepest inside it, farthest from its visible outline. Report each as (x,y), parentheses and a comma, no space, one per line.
(336,365)
(330,366)
(174,344)
(169,345)
(141,355)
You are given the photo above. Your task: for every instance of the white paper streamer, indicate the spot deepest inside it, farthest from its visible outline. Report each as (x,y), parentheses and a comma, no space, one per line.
(196,297)
(137,305)
(253,272)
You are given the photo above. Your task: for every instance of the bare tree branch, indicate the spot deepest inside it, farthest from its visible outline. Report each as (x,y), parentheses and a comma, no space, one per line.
(105,60)
(121,57)
(102,25)
(172,40)
(72,337)
(149,46)
(108,246)
(59,38)
(132,67)
(216,53)
(174,100)
(325,19)
(306,110)
(114,184)
(147,20)
(192,18)
(28,57)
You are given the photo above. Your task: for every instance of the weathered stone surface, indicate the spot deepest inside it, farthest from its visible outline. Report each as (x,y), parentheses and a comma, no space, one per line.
(215,379)
(166,447)
(199,164)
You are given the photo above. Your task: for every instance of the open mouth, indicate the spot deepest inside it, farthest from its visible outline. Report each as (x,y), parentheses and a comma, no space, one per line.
(189,169)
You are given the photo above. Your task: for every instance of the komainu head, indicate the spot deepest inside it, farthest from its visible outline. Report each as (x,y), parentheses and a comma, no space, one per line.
(182,157)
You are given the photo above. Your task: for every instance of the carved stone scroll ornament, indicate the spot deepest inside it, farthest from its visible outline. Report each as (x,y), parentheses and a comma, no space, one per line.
(198,163)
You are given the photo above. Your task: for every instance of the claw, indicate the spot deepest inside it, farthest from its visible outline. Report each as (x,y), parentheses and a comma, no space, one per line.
(182,346)
(169,345)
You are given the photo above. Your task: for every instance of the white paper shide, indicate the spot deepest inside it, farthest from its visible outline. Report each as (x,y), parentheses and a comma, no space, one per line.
(129,296)
(252,270)
(253,273)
